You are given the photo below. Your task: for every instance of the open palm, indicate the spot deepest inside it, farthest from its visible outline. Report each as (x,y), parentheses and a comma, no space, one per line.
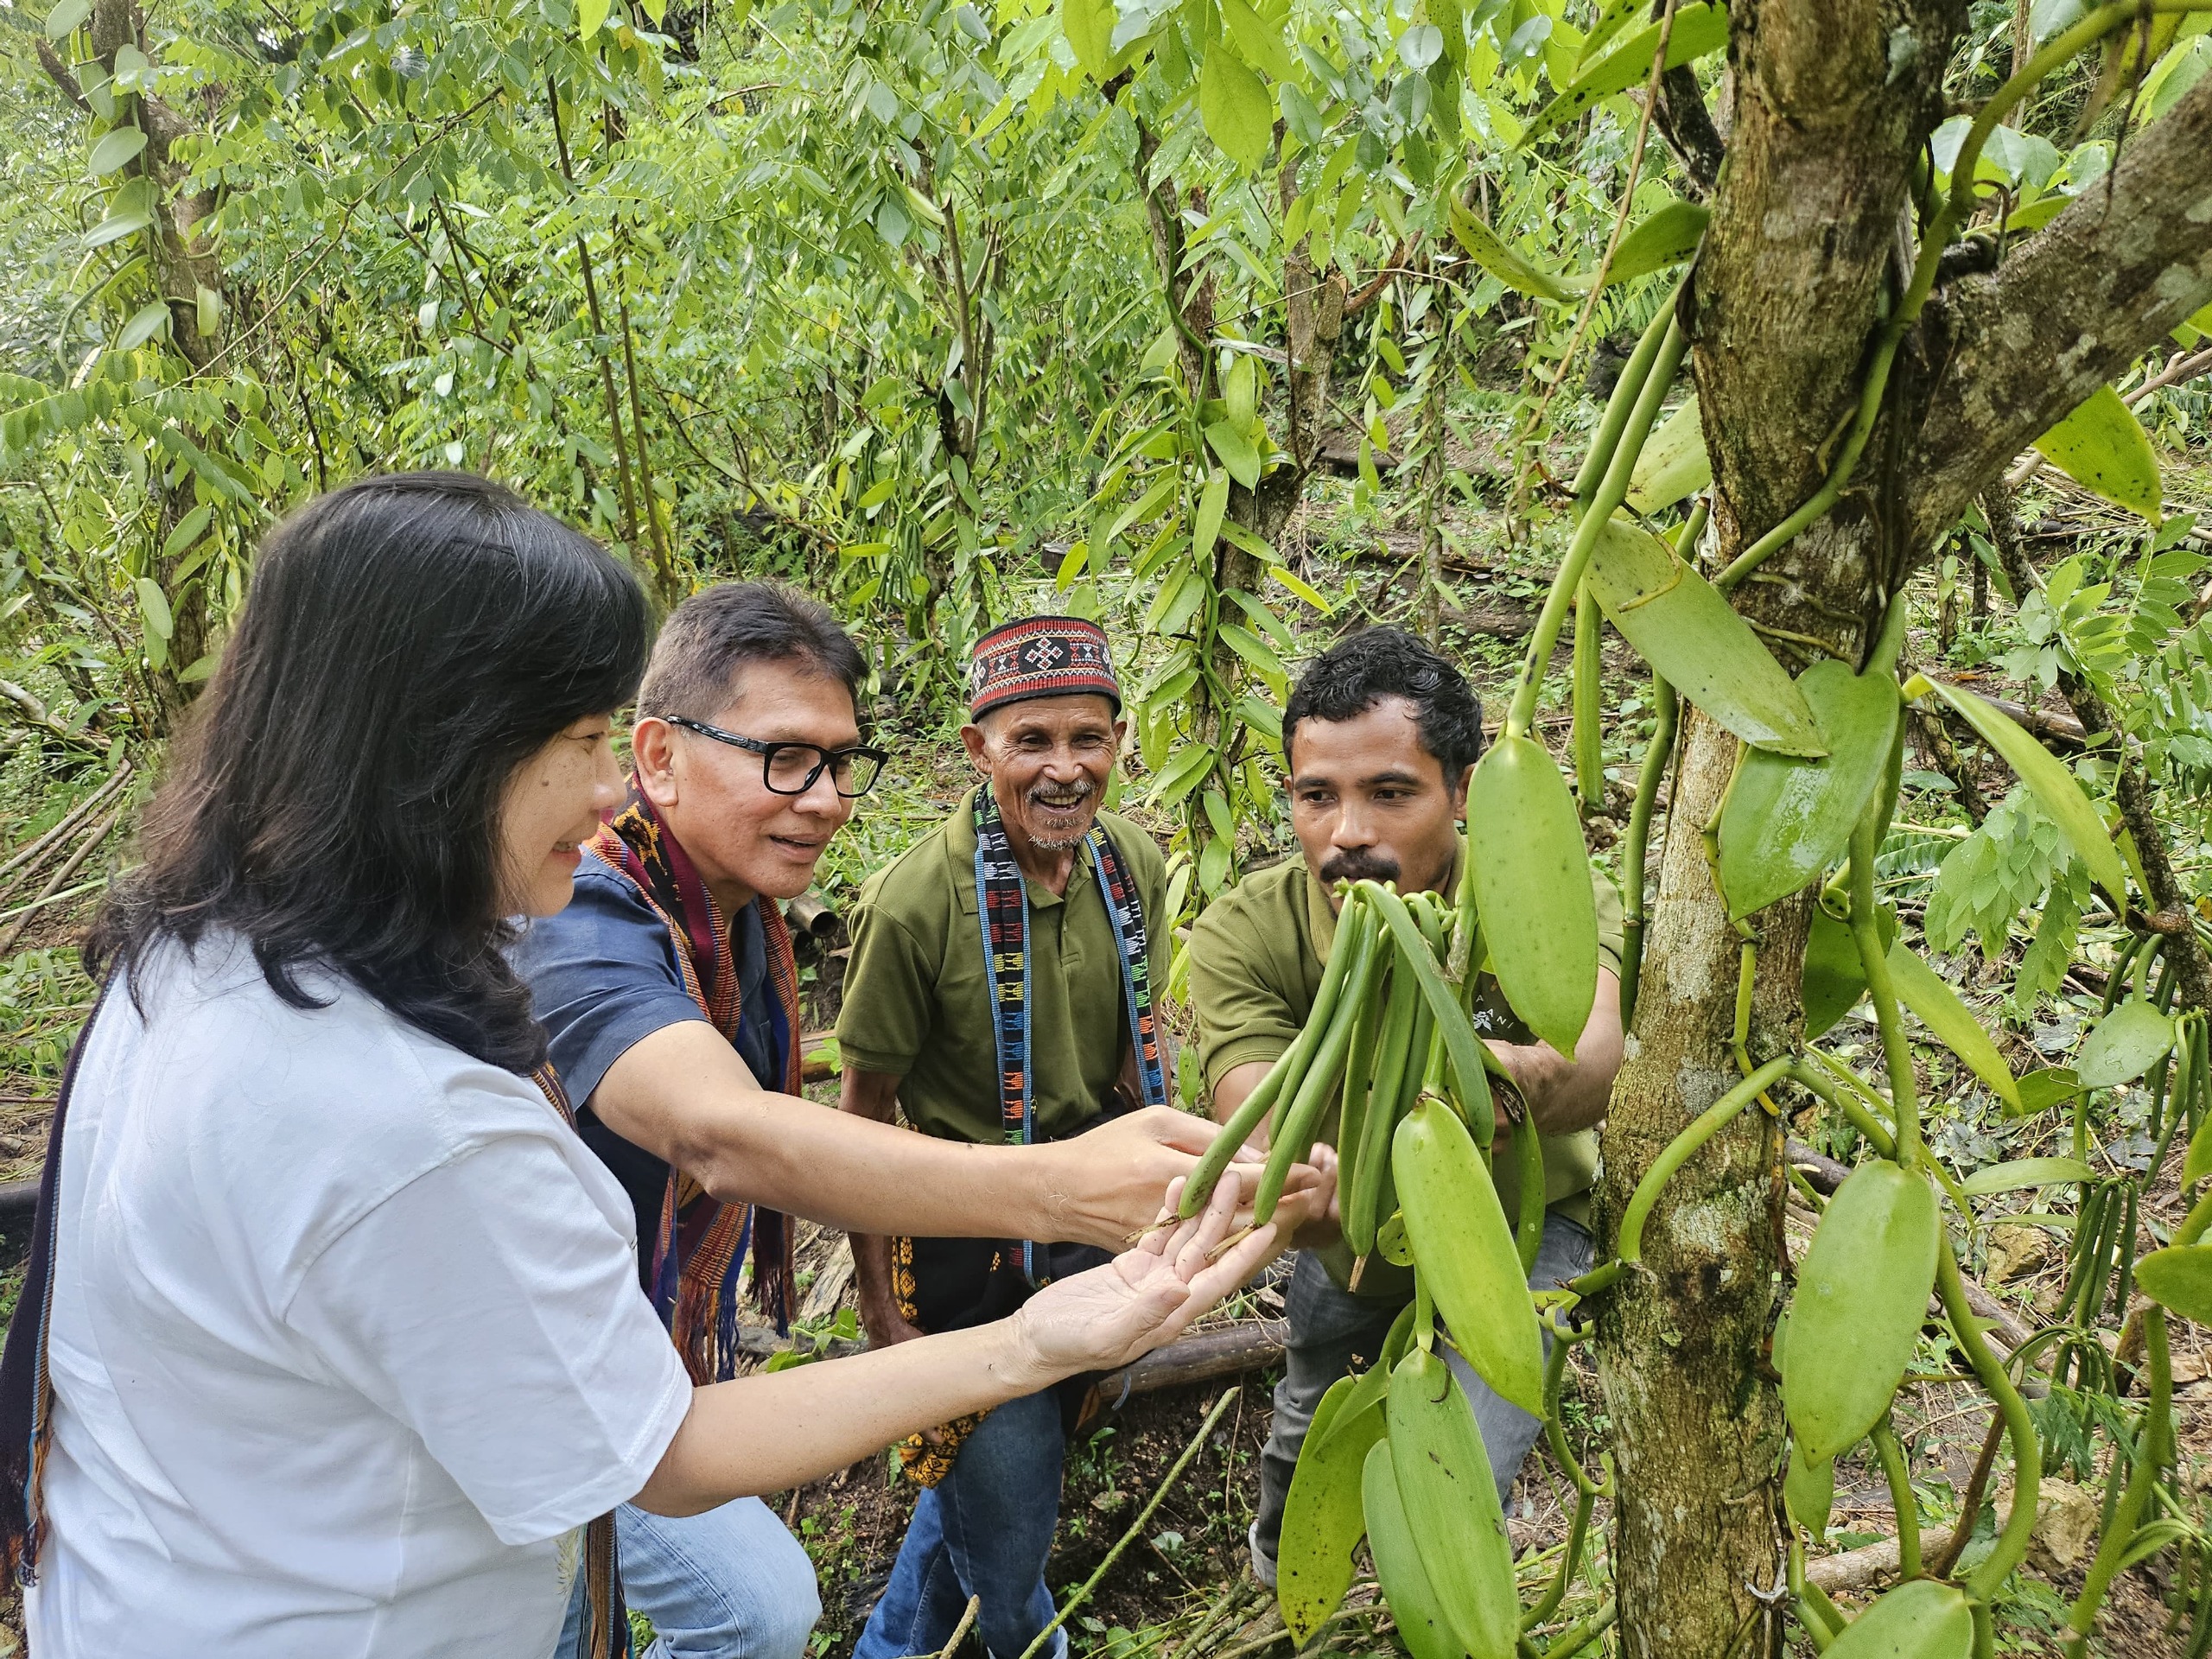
(1107,1317)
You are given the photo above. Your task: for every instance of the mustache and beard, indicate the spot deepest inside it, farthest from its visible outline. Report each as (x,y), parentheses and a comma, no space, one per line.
(1049,802)
(1360,865)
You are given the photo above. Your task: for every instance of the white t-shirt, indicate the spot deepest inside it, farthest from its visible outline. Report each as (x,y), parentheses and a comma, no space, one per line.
(346,1340)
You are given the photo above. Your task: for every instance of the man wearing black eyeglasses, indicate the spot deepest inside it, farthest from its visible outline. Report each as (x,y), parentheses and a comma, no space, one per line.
(669,997)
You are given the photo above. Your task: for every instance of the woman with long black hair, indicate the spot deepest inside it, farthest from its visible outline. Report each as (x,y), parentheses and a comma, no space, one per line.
(332,1342)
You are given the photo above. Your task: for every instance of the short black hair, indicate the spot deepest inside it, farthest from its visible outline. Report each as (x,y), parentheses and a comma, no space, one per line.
(408,642)
(1353,675)
(716,631)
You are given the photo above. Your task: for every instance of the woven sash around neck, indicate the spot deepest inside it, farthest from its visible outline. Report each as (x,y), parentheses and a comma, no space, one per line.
(702,1241)
(1002,908)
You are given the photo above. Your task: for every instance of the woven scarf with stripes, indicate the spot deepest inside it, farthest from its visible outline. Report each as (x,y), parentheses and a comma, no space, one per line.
(701,1247)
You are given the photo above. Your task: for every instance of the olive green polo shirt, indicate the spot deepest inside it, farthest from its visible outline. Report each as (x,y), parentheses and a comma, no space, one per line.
(1255,966)
(917,998)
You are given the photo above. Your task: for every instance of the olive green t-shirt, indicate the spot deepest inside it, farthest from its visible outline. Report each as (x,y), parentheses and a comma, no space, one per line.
(1256,956)
(916,997)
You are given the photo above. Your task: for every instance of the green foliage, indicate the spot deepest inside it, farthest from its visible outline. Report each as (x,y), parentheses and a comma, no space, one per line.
(2005,866)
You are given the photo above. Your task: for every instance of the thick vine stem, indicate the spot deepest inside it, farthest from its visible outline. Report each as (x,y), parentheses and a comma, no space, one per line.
(1883,659)
(1809,1613)
(2191,1230)
(1589,694)
(1573,1639)
(1862,1107)
(1555,1435)
(1611,490)
(1667,707)
(2151,1450)
(1901,1499)
(2019,1427)
(1555,1593)
(1679,1150)
(1957,206)
(1897,1050)
(1634,372)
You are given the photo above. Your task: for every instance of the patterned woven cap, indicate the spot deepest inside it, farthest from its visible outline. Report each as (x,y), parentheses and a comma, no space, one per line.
(1041,657)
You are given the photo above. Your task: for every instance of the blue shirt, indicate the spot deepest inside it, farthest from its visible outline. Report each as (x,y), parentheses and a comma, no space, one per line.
(603,976)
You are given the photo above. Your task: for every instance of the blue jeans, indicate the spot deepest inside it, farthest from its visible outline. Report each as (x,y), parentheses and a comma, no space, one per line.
(985,1530)
(728,1584)
(1330,1327)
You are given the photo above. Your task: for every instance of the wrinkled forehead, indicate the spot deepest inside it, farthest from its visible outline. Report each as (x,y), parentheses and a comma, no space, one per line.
(1084,714)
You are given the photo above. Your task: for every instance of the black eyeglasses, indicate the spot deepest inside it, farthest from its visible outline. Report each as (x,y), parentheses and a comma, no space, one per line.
(791,768)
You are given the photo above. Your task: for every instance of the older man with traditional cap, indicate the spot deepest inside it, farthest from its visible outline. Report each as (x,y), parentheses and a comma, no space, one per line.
(1001,988)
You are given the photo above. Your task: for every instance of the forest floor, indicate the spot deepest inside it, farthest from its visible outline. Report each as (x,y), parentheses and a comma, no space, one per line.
(1180,1584)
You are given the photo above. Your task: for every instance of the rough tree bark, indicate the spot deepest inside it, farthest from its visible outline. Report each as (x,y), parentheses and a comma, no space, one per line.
(1810,235)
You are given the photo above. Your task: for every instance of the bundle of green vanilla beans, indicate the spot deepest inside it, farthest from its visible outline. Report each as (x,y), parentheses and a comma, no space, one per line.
(1395,1453)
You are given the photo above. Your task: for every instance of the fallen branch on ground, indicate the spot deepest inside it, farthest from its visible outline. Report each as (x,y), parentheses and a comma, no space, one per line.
(1082,1592)
(61,878)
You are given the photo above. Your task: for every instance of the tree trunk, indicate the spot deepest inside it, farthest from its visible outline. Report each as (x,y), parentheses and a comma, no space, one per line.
(1802,244)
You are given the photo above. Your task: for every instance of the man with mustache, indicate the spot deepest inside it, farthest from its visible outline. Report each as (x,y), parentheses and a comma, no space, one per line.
(1001,989)
(1378,738)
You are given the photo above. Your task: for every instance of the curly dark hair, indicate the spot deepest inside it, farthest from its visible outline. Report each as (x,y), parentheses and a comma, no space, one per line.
(1353,675)
(409,642)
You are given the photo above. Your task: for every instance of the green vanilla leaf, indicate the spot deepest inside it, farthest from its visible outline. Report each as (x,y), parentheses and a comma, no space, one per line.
(1665,239)
(2198,1162)
(2102,446)
(1391,1243)
(1920,1620)
(1370,1387)
(1684,626)
(149,320)
(1324,1518)
(1234,104)
(1484,247)
(1923,991)
(2127,1042)
(1234,445)
(2179,1279)
(1413,1607)
(1531,873)
(1697,30)
(2024,1172)
(113,149)
(2045,1088)
(1808,1489)
(1205,528)
(1862,1293)
(1788,819)
(1673,464)
(1465,1250)
(1450,1497)
(2047,778)
(1835,977)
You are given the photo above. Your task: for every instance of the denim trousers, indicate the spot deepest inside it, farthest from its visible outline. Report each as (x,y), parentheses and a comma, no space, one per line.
(985,1530)
(731,1583)
(1330,1327)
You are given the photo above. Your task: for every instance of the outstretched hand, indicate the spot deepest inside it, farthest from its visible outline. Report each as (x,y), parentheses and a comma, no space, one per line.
(1107,1181)
(1097,1320)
